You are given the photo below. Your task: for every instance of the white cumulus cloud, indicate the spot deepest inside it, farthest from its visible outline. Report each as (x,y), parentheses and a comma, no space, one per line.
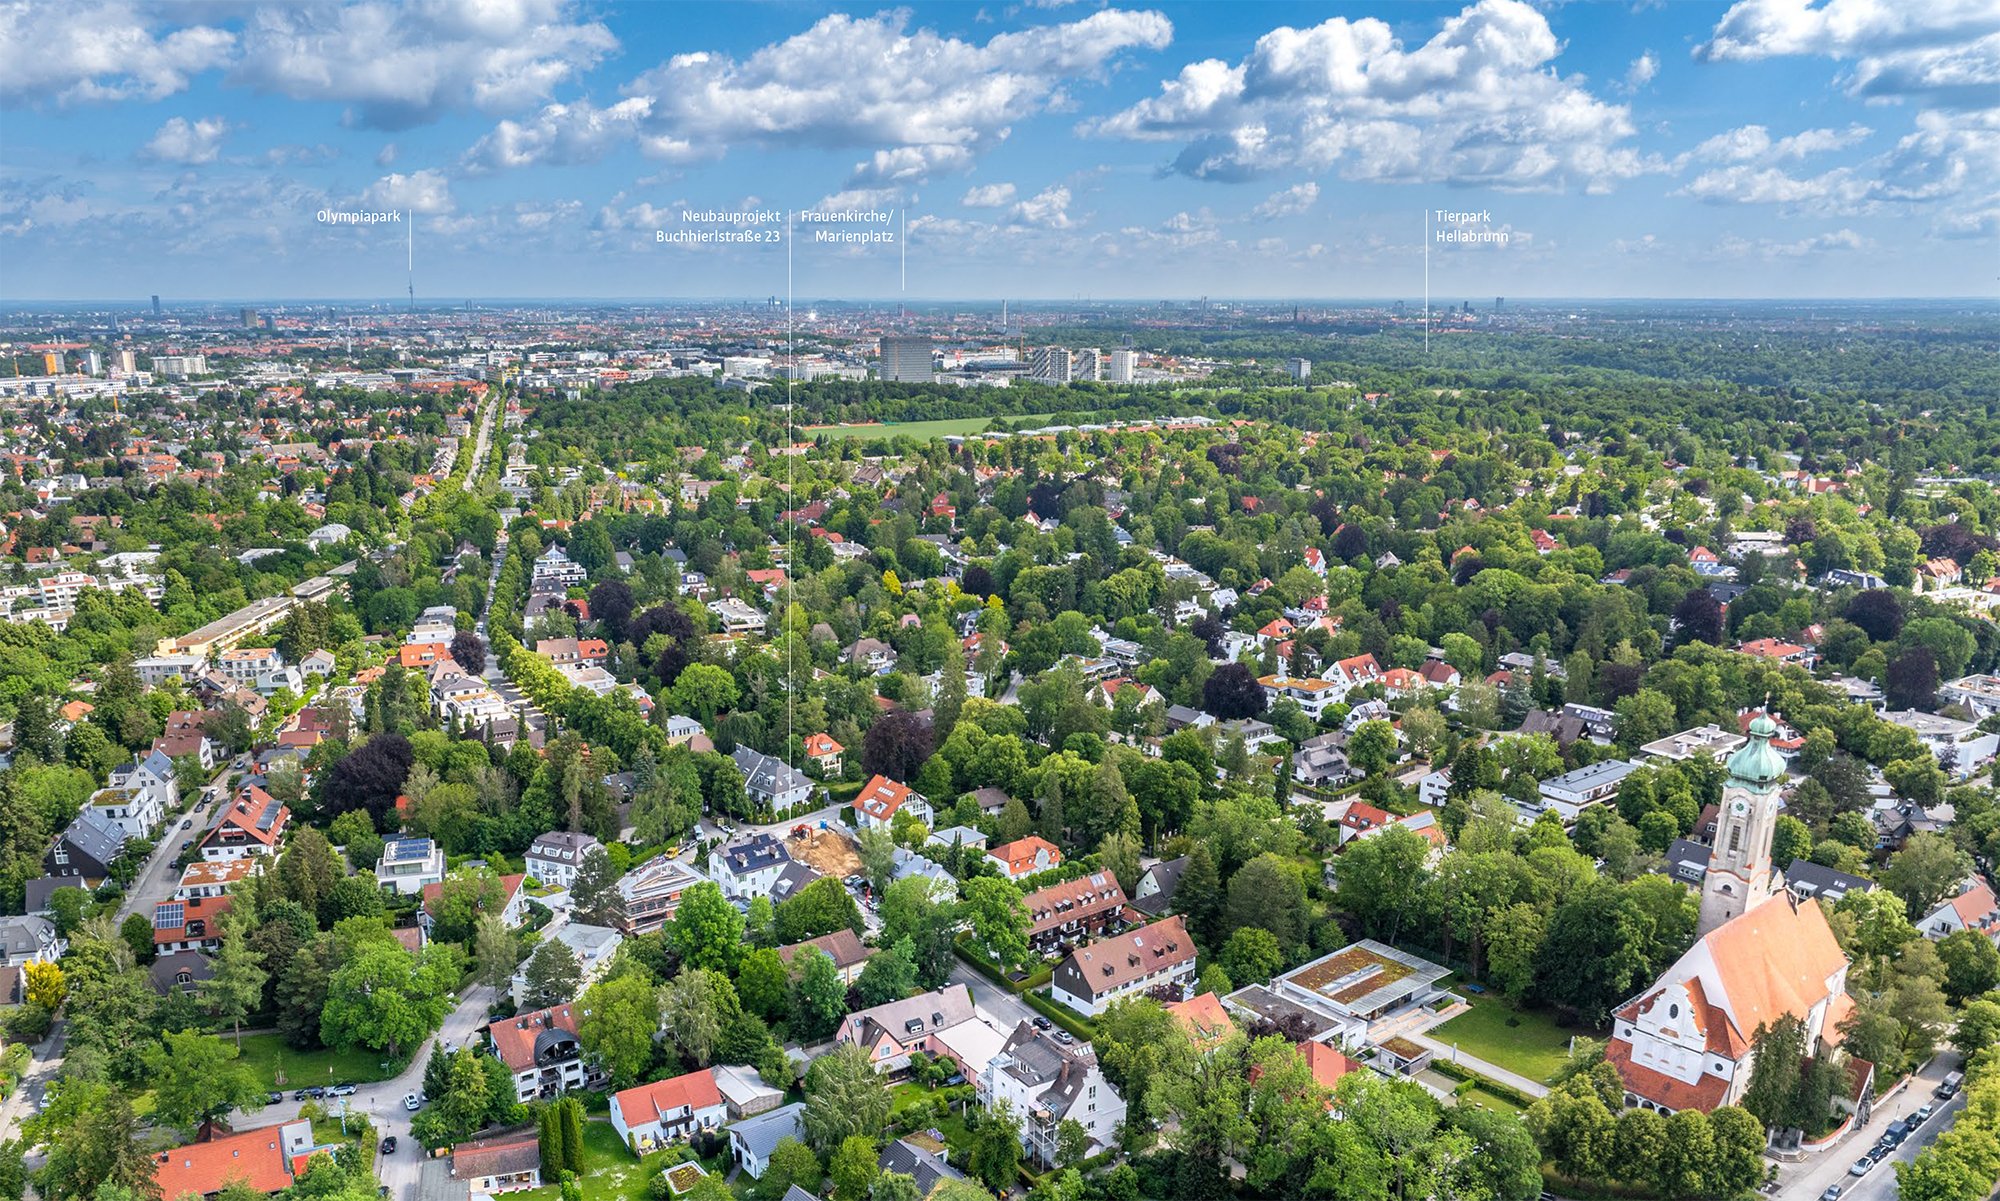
(988,196)
(1290,202)
(425,191)
(188,142)
(76,52)
(559,134)
(1480,102)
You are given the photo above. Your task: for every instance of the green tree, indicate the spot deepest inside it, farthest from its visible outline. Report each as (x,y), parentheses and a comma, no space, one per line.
(819,999)
(853,1169)
(196,1077)
(552,977)
(236,990)
(387,999)
(1252,956)
(707,930)
(495,950)
(996,1146)
(821,907)
(1971,964)
(620,1018)
(764,985)
(696,1007)
(792,1163)
(1372,747)
(844,1096)
(889,975)
(1928,869)
(1198,897)
(702,691)
(1267,893)
(999,920)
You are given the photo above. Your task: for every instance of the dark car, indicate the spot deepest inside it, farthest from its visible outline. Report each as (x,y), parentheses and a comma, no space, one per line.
(389,1145)
(1042,1023)
(1831,1194)
(274,1098)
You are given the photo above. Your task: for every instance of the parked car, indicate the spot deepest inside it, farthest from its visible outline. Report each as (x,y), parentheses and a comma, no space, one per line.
(389,1145)
(341,1090)
(187,823)
(1861,1166)
(410,1101)
(1950,1086)
(1925,1111)
(1042,1023)
(1832,1193)
(274,1098)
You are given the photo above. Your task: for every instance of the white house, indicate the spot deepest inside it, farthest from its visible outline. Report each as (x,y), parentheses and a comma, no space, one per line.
(1973,907)
(878,802)
(1046,1082)
(1137,961)
(769,780)
(541,1050)
(555,857)
(1570,793)
(752,1140)
(668,1111)
(748,866)
(407,864)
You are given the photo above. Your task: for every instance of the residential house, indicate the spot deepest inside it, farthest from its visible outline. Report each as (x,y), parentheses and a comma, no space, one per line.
(408,864)
(1808,880)
(878,802)
(1074,909)
(769,780)
(215,877)
(1570,793)
(921,1158)
(752,1140)
(824,753)
(1959,746)
(180,971)
(1972,907)
(891,1033)
(747,867)
(650,893)
(252,824)
(1048,1079)
(26,939)
(512,910)
(554,858)
(265,1159)
(86,849)
(1158,956)
(593,947)
(541,1049)
(1153,894)
(1312,695)
(1026,856)
(191,925)
(842,946)
(502,1163)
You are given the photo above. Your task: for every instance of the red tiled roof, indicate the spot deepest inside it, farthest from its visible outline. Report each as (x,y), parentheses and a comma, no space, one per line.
(1019,855)
(881,797)
(648,1102)
(1661,1089)
(253,1156)
(514,1037)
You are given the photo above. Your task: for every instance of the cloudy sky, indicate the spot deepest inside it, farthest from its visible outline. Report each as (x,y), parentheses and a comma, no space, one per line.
(1031,150)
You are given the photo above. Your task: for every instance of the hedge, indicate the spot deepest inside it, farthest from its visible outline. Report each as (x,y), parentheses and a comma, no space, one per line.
(1507,1092)
(1061,1015)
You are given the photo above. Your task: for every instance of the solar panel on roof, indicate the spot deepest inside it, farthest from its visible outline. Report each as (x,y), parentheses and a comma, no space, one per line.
(169,915)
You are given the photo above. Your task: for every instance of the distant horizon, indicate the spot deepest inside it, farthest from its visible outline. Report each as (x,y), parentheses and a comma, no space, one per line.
(1439,301)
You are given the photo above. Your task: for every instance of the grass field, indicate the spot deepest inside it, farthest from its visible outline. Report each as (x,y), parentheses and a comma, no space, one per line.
(915,429)
(268,1056)
(1487,1099)
(1533,1046)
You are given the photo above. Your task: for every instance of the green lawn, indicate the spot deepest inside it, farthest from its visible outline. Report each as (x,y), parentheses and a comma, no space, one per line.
(610,1173)
(917,429)
(1523,1041)
(268,1056)
(1485,1098)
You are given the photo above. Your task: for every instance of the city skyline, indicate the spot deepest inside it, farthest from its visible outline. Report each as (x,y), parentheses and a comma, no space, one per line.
(1771,149)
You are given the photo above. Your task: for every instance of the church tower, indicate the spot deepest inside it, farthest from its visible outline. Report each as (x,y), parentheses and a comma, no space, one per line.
(1739,867)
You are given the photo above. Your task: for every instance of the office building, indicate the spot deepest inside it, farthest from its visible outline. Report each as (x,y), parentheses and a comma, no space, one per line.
(1089,364)
(906,360)
(249,317)
(1299,369)
(180,365)
(1123,368)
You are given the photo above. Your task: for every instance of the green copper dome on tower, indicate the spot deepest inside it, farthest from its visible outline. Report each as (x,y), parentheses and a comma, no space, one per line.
(1755,763)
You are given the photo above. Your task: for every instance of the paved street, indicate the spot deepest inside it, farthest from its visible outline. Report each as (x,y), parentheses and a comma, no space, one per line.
(1006,1008)
(1809,1180)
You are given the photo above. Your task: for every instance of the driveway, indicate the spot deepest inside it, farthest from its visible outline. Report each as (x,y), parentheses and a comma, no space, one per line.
(1807,1181)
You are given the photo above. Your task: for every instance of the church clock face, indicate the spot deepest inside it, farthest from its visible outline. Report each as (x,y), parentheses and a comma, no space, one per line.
(1738,807)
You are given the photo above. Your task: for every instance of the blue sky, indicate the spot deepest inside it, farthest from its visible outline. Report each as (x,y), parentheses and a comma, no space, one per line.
(1042,150)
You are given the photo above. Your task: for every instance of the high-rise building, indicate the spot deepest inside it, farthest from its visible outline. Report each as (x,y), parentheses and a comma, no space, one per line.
(1299,369)
(156,304)
(93,363)
(1088,364)
(907,360)
(1124,367)
(1049,365)
(52,362)
(128,361)
(249,317)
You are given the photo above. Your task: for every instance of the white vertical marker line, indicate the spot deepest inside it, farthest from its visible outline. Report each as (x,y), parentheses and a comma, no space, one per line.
(791,500)
(904,238)
(1427,280)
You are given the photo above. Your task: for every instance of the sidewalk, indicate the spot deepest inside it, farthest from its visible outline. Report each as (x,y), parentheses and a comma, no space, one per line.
(1443,1052)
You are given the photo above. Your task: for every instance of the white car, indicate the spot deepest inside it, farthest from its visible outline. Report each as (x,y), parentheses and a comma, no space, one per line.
(411,1101)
